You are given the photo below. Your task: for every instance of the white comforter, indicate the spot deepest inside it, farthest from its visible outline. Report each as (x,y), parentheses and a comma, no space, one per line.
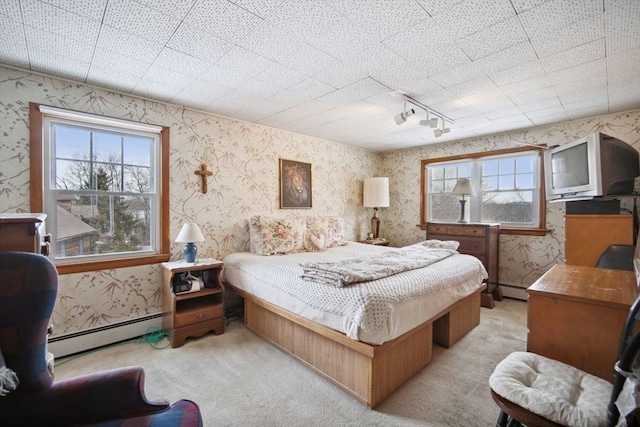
(364,311)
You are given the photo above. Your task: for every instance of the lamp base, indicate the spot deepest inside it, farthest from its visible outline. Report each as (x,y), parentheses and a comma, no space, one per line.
(190,251)
(462,218)
(375,224)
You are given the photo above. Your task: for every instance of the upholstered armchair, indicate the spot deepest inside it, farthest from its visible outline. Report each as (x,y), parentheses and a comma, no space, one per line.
(28,286)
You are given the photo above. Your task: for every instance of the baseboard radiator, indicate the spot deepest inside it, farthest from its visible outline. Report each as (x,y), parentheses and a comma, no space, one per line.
(77,342)
(514,292)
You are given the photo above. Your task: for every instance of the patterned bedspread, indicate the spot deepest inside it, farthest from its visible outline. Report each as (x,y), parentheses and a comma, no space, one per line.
(350,271)
(366,305)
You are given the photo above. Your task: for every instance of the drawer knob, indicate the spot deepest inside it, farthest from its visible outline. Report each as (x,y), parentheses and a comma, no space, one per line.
(199,315)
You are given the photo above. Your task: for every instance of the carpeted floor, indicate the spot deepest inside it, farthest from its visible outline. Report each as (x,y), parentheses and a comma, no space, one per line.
(239,380)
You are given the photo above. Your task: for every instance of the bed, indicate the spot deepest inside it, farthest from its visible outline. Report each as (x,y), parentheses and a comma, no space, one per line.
(368,359)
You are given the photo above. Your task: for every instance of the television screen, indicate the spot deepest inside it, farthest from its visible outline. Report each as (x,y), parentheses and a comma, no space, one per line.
(570,167)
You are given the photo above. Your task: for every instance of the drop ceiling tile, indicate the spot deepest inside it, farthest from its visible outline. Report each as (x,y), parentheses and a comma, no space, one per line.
(382,18)
(624,67)
(13,44)
(225,78)
(313,20)
(69,69)
(621,18)
(436,97)
(182,63)
(434,7)
(106,60)
(543,104)
(166,77)
(507,58)
(570,58)
(493,39)
(524,86)
(522,5)
(11,9)
(587,112)
(476,119)
(471,16)
(465,73)
(340,75)
(624,103)
(594,71)
(256,88)
(556,14)
(473,86)
(410,43)
(261,8)
(311,88)
(127,44)
(56,46)
(587,102)
(222,19)
(199,87)
(59,21)
(441,58)
(488,101)
(92,9)
(501,114)
(110,78)
(581,32)
(280,75)
(193,41)
(575,93)
(135,18)
(537,95)
(553,118)
(343,42)
(518,73)
(174,8)
(550,111)
(155,90)
(352,93)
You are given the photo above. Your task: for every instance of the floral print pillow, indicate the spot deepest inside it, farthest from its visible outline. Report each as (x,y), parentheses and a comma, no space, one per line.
(333,228)
(273,236)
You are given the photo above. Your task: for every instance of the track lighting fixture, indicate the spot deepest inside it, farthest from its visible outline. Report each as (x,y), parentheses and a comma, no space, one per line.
(432,123)
(400,118)
(439,132)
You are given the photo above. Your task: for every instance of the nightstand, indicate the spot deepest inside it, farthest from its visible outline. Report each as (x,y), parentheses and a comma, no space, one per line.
(377,242)
(192,314)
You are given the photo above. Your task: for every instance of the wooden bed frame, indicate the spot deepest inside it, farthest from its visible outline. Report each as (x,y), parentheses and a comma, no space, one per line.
(369,373)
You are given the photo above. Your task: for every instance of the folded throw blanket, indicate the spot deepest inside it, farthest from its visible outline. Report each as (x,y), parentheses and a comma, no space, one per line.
(350,271)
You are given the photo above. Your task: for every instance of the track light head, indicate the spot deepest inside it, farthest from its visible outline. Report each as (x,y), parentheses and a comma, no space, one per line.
(432,123)
(438,132)
(400,118)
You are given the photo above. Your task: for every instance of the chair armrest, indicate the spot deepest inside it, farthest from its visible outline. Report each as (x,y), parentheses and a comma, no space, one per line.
(100,396)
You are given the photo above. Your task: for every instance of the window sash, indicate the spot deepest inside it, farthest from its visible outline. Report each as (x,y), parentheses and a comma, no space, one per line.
(474,209)
(50,195)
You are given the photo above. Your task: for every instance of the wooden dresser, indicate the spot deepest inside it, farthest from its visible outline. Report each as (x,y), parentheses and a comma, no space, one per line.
(575,314)
(24,232)
(480,240)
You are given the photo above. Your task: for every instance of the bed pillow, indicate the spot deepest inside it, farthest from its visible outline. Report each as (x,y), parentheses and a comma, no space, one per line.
(442,244)
(8,378)
(315,240)
(273,236)
(333,228)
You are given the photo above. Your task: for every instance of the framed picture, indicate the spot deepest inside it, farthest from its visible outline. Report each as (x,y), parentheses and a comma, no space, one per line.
(295,185)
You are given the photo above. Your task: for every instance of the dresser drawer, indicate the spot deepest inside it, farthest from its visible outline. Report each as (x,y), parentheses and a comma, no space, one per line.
(458,230)
(471,246)
(189,317)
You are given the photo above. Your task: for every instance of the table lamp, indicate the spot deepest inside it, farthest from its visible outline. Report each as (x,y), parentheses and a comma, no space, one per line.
(375,195)
(463,188)
(189,234)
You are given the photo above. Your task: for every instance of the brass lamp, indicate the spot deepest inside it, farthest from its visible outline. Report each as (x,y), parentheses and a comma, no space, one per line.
(463,188)
(375,195)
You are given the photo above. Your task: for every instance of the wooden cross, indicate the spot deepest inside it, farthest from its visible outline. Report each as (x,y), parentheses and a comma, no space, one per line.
(204,173)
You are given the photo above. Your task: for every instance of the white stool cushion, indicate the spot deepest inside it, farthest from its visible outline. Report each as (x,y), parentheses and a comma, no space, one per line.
(552,389)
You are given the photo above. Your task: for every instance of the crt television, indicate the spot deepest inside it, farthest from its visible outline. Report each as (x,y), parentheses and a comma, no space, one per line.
(594,166)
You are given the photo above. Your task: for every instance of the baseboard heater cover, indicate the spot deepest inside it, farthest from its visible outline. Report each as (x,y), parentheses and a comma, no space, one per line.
(515,292)
(77,342)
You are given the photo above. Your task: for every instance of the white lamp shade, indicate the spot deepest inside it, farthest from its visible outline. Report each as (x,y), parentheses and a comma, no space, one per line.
(463,188)
(376,193)
(190,233)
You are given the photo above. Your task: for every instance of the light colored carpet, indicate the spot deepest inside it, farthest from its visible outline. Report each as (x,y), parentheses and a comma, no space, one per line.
(239,380)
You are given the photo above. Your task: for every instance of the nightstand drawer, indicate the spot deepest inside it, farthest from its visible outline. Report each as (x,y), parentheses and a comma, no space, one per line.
(189,317)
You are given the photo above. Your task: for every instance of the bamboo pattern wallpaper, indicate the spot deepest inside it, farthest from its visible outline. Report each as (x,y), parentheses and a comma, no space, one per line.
(244,160)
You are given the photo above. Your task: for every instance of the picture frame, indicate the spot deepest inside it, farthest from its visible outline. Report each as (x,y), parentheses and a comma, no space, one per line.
(295,185)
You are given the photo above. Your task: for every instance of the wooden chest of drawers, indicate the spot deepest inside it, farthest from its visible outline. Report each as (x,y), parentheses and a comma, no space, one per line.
(478,239)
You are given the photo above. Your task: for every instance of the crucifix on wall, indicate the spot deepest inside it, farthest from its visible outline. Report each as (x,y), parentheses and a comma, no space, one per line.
(204,173)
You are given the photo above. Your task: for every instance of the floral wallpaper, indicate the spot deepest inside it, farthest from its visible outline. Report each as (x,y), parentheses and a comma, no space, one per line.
(523,259)
(244,159)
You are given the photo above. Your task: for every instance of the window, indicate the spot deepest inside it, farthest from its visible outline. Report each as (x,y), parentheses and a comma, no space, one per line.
(508,189)
(103,185)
